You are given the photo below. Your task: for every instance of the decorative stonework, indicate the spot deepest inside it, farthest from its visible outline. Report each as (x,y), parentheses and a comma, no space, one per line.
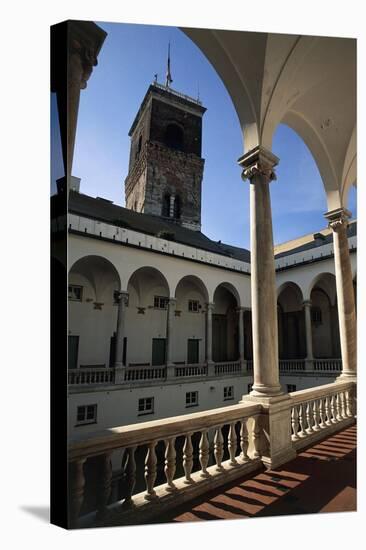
(121,296)
(338,218)
(258,162)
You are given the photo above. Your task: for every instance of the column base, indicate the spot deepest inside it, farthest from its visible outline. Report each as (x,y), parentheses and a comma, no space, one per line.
(210,368)
(259,390)
(170,370)
(309,365)
(345,377)
(119,373)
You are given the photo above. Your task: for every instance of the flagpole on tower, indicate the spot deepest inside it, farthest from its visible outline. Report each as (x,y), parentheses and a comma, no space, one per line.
(169,79)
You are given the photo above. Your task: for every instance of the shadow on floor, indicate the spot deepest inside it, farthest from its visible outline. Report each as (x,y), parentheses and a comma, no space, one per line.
(40,512)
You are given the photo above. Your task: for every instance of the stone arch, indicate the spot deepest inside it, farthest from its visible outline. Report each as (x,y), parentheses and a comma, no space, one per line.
(291,322)
(230,288)
(195,282)
(99,272)
(225,326)
(143,280)
(324,312)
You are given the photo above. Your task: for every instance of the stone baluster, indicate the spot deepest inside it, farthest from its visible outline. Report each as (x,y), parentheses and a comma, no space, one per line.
(309,418)
(333,414)
(258,166)
(232,444)
(169,332)
(348,404)
(204,454)
(188,458)
(104,483)
(76,486)
(295,423)
(240,311)
(316,427)
(338,222)
(170,466)
(256,437)
(130,470)
(328,411)
(244,441)
(302,419)
(218,447)
(343,405)
(150,471)
(322,413)
(338,407)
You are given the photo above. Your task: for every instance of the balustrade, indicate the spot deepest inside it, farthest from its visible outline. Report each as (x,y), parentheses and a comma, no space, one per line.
(91,375)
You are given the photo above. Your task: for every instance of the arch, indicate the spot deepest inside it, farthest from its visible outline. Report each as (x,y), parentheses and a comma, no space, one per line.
(326,282)
(196,282)
(294,286)
(230,288)
(98,271)
(174,136)
(145,278)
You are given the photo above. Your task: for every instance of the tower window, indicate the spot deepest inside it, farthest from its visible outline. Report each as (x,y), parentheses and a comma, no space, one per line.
(174,137)
(177,207)
(166,206)
(139,145)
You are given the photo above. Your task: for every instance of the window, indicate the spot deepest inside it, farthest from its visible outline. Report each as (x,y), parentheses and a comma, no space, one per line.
(166,206)
(291,388)
(228,393)
(86,414)
(146,405)
(316,315)
(75,293)
(250,387)
(174,137)
(193,306)
(177,207)
(191,398)
(161,302)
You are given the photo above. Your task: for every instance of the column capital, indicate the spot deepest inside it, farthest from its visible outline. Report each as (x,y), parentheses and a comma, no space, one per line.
(172,302)
(258,161)
(210,306)
(337,218)
(307,303)
(121,297)
(85,41)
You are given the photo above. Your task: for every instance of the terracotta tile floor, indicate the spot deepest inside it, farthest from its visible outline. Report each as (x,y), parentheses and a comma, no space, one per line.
(322,478)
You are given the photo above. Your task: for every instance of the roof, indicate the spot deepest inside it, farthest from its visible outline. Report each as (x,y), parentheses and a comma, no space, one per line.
(105,211)
(312,241)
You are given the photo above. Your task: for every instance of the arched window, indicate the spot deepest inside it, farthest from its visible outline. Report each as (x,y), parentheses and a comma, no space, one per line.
(174,137)
(177,208)
(166,205)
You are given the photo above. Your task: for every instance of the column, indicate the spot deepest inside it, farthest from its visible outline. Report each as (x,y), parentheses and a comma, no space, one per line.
(240,311)
(309,336)
(122,298)
(169,331)
(345,295)
(209,309)
(258,167)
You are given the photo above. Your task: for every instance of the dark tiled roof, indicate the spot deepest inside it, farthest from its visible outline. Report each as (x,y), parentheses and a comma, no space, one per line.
(316,242)
(105,211)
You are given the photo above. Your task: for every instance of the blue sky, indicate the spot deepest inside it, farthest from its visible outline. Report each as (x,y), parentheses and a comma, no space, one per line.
(130,57)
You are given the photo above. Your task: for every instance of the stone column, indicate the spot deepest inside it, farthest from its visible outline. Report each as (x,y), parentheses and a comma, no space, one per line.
(169,329)
(122,299)
(240,311)
(209,309)
(345,295)
(309,335)
(258,165)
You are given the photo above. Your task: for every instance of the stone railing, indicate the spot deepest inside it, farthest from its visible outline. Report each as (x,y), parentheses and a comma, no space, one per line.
(319,410)
(137,374)
(229,367)
(91,375)
(236,438)
(198,369)
(291,365)
(334,365)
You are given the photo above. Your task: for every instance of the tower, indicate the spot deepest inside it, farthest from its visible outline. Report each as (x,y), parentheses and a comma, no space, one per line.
(165,167)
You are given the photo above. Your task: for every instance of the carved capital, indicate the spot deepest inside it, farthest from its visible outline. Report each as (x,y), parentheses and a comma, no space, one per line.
(121,297)
(87,58)
(338,218)
(85,42)
(258,162)
(172,302)
(210,306)
(307,303)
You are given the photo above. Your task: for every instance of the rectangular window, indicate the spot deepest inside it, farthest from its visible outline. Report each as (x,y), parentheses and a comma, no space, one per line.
(291,388)
(75,293)
(228,393)
(191,398)
(86,414)
(316,315)
(146,405)
(193,306)
(161,302)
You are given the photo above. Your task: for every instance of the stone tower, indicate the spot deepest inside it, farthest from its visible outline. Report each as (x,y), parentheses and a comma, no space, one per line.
(166,168)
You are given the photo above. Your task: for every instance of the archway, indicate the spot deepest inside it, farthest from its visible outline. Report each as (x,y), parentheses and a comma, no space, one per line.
(225,333)
(291,322)
(324,317)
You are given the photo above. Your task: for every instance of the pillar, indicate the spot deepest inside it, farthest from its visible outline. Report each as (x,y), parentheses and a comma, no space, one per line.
(240,311)
(258,167)
(338,222)
(209,309)
(122,299)
(309,336)
(169,331)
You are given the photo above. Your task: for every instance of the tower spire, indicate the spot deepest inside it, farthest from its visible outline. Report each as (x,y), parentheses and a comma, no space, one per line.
(169,79)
